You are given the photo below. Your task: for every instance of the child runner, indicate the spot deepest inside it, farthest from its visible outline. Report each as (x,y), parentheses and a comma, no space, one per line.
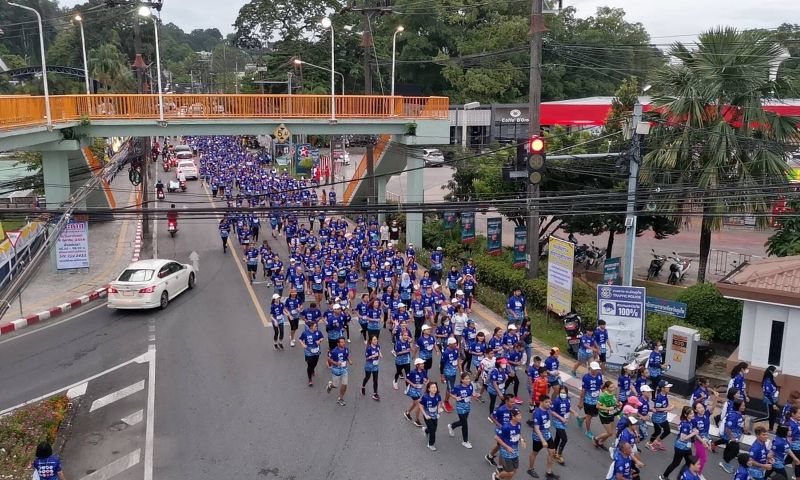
(509,437)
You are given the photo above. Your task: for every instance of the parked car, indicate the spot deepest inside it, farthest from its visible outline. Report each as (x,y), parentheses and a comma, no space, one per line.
(432,157)
(149,284)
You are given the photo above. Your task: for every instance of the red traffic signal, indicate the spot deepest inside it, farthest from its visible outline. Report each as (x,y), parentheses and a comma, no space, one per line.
(535,144)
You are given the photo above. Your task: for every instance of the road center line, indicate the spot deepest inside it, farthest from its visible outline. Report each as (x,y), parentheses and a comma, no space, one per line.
(116,467)
(151,414)
(118,395)
(253,297)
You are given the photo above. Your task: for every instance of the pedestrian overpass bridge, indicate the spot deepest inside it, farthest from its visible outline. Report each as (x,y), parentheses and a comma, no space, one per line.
(75,119)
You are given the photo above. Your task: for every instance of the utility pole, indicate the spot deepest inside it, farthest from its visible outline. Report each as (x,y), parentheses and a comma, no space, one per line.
(633,179)
(534,128)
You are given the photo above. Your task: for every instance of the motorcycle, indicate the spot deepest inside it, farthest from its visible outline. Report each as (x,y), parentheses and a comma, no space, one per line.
(166,166)
(160,194)
(173,186)
(172,227)
(656,264)
(594,256)
(580,254)
(678,269)
(182,184)
(572,329)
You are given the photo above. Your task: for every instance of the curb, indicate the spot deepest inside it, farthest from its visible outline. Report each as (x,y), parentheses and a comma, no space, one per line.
(21,323)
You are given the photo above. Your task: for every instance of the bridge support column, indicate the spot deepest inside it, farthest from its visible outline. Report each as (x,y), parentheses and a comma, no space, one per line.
(55,170)
(415,195)
(380,183)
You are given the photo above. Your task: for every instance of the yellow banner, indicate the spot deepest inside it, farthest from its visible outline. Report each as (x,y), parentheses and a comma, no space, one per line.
(560,262)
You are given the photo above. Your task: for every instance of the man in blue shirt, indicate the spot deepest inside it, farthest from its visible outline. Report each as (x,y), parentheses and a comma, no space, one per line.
(437,257)
(451,369)
(541,438)
(509,438)
(515,307)
(590,393)
(338,360)
(622,467)
(760,463)
(601,339)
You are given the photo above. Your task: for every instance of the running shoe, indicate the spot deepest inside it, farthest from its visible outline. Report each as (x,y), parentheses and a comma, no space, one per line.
(491,420)
(280,345)
(363,391)
(450,430)
(661,447)
(466,444)
(662,477)
(408,416)
(432,448)
(551,476)
(394,385)
(448,408)
(340,402)
(291,344)
(560,459)
(517,400)
(494,475)
(590,435)
(329,387)
(580,421)
(376,397)
(650,446)
(310,383)
(275,346)
(348,340)
(532,473)
(490,460)
(418,424)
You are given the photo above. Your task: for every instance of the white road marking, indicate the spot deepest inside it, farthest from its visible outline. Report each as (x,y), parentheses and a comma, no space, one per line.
(150,425)
(116,467)
(118,395)
(78,391)
(51,325)
(155,231)
(134,418)
(145,357)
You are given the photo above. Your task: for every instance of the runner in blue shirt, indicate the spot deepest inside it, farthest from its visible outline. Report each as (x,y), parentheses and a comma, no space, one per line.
(278,313)
(587,349)
(463,393)
(452,368)
(515,307)
(310,340)
(742,472)
(661,408)
(683,442)
(338,360)
(294,309)
(591,384)
(361,310)
(781,451)
(560,411)
(334,325)
(551,363)
(497,382)
(760,463)
(622,468)
(425,345)
(541,438)
(374,313)
(251,259)
(429,404)
(46,465)
(415,382)
(509,439)
(402,360)
(601,340)
(372,356)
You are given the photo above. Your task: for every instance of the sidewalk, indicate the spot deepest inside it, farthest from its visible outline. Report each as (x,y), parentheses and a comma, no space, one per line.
(112,246)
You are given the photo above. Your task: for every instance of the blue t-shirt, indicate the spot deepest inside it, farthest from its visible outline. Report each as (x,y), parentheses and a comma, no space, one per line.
(402,358)
(552,364)
(541,418)
(276,311)
(510,434)
(688,475)
(758,453)
(779,449)
(735,422)
(498,376)
(562,407)
(426,344)
(685,428)
(417,379)
(741,473)
(591,386)
(516,304)
(334,325)
(47,468)
(502,414)
(587,344)
(702,424)
(430,404)
(622,466)
(660,401)
(463,394)
(794,433)
(311,340)
(450,359)
(371,364)
(601,338)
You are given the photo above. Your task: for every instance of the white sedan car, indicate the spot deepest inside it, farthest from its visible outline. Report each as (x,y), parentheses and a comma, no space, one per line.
(149,284)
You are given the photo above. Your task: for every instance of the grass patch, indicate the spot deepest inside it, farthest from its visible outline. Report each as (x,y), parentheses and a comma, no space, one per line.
(23,429)
(660,290)
(13,224)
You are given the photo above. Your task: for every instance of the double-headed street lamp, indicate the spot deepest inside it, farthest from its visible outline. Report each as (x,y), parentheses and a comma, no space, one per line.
(79,19)
(145,12)
(326,23)
(299,62)
(44,65)
(397,30)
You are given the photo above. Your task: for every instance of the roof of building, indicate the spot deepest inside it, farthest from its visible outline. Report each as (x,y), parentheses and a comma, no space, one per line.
(771,280)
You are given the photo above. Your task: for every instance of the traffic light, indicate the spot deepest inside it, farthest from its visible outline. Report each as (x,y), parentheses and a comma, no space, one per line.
(536,157)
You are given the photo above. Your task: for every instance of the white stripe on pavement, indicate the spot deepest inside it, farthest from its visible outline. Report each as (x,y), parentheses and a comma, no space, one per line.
(133,418)
(77,391)
(116,467)
(151,405)
(118,395)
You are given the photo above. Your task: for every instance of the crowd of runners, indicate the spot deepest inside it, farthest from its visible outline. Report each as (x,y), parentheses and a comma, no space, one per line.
(374,301)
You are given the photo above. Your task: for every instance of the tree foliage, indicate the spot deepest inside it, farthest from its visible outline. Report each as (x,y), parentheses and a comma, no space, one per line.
(714,142)
(786,241)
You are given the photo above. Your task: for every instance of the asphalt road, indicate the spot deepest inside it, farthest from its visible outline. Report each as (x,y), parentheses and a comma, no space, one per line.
(228,406)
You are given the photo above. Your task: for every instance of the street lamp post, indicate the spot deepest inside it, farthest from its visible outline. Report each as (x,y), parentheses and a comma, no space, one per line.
(467,106)
(145,12)
(326,23)
(44,65)
(397,30)
(79,19)
(297,61)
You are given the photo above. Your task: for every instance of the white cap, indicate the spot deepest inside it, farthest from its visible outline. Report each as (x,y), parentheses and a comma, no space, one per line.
(631,366)
(291,260)
(401,305)
(436,285)
(336,306)
(512,327)
(426,327)
(451,341)
(439,248)
(459,292)
(410,244)
(276,296)
(646,388)
(633,420)
(453,300)
(418,361)
(594,366)
(387,264)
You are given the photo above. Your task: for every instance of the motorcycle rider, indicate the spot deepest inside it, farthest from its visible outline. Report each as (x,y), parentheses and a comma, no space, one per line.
(172,216)
(159,188)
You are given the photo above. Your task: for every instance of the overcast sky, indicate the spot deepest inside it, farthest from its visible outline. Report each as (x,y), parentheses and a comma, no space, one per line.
(663,19)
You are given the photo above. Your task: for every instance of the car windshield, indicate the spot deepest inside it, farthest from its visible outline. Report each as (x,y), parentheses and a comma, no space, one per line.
(186,164)
(135,275)
(184,155)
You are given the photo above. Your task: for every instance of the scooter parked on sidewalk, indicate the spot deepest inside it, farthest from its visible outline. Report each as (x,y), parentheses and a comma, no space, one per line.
(572,329)
(656,264)
(594,256)
(678,269)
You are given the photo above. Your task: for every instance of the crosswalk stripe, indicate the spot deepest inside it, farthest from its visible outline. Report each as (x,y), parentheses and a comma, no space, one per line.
(116,467)
(133,418)
(118,395)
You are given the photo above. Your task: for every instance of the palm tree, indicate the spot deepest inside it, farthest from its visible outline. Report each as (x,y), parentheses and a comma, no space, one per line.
(110,67)
(714,150)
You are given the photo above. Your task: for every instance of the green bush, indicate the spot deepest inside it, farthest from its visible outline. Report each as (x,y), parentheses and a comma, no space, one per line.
(706,308)
(656,326)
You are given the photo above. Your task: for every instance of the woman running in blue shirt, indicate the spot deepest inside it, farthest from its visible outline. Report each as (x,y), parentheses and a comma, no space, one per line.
(372,356)
(415,382)
(463,393)
(278,314)
(429,404)
(402,360)
(310,340)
